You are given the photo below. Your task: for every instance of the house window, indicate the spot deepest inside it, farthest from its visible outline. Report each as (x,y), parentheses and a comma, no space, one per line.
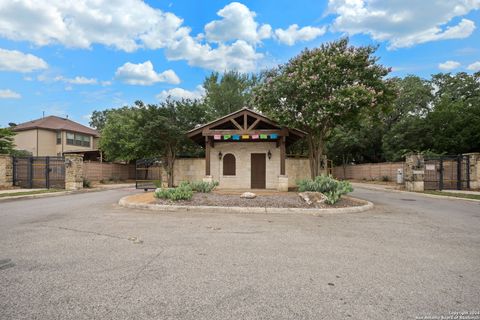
(229,165)
(59,137)
(78,139)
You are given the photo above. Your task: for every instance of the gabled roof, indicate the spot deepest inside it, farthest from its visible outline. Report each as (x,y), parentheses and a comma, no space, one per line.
(56,123)
(243,121)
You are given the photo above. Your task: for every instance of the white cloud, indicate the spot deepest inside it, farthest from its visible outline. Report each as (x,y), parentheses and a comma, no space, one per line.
(403,23)
(9,94)
(449,65)
(239,56)
(144,74)
(77,80)
(12,60)
(474,66)
(237,23)
(179,93)
(293,34)
(122,24)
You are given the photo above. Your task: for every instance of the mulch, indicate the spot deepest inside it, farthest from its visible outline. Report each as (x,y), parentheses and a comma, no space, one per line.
(283,200)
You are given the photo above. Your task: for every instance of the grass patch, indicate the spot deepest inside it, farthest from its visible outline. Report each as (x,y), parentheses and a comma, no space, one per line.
(26,193)
(454,195)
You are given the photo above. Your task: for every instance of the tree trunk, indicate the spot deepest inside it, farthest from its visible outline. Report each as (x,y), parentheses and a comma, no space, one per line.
(315,153)
(170,162)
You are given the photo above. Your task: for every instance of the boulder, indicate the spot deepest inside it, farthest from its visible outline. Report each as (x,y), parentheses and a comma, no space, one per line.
(248,195)
(312,197)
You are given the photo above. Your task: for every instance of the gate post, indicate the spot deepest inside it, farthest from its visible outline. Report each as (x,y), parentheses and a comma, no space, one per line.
(474,169)
(6,171)
(414,172)
(73,172)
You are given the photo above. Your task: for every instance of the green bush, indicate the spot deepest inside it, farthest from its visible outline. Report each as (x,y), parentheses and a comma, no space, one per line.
(385,178)
(182,192)
(330,187)
(157,183)
(87,183)
(202,186)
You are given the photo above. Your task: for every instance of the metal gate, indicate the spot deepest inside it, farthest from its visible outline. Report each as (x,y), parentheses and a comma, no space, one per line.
(447,172)
(148,174)
(39,172)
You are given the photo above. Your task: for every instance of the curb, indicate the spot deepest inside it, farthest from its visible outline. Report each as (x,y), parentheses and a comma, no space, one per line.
(124,202)
(426,195)
(55,194)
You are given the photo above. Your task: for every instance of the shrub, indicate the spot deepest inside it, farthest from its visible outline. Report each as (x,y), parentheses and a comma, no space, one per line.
(330,187)
(87,183)
(385,178)
(182,192)
(157,183)
(202,186)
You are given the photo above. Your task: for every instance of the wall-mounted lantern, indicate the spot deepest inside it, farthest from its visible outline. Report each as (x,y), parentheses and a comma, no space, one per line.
(269,155)
(220,155)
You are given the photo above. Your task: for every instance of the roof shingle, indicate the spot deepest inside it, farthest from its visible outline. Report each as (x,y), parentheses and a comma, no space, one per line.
(56,123)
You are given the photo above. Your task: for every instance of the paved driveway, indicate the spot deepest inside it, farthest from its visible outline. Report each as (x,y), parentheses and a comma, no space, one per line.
(71,258)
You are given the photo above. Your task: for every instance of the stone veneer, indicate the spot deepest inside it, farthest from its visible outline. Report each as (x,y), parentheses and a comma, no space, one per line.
(6,171)
(242,152)
(414,172)
(73,172)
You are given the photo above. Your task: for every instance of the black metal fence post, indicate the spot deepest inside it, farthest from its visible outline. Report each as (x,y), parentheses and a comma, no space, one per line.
(440,182)
(459,172)
(14,171)
(47,172)
(468,172)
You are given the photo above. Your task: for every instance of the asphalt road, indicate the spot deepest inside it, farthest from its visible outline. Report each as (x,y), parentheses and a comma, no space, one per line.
(75,257)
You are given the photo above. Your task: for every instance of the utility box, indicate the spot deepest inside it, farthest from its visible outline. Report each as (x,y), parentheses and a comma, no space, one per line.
(400,176)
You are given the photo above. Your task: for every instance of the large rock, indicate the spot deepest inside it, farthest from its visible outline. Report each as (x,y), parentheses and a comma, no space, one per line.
(312,197)
(248,195)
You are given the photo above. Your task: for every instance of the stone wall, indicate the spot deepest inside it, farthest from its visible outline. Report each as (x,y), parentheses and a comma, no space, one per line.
(296,169)
(474,170)
(414,173)
(73,172)
(193,169)
(6,171)
(242,152)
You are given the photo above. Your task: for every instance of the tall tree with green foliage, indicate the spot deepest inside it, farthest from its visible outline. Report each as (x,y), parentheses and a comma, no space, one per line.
(6,141)
(321,88)
(147,131)
(227,93)
(98,119)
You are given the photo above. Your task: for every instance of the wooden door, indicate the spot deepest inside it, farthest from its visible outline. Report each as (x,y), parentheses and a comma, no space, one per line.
(258,170)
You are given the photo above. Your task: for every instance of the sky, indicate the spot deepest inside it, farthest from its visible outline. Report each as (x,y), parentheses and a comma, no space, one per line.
(71,57)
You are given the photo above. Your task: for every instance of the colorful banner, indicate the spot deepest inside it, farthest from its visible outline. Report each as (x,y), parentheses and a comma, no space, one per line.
(227,136)
(236,137)
(273,136)
(245,137)
(263,136)
(254,136)
(217,137)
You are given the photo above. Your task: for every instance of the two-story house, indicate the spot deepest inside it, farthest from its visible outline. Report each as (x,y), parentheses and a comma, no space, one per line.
(54,136)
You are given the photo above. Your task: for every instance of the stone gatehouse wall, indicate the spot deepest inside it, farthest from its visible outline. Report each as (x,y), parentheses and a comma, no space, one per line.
(193,169)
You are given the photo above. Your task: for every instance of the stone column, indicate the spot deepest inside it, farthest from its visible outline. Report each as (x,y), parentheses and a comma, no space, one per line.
(414,172)
(282,183)
(474,159)
(6,171)
(73,172)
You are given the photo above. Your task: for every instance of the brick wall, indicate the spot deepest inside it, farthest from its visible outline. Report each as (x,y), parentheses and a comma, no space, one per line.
(369,171)
(96,171)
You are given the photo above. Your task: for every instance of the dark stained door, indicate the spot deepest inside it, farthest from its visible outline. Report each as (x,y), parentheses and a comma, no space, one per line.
(258,170)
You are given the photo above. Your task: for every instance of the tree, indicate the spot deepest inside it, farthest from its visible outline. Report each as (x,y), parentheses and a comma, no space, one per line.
(152,131)
(322,88)
(98,119)
(164,128)
(227,93)
(6,141)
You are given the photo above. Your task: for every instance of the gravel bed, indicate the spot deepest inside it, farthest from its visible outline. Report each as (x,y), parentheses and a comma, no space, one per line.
(273,201)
